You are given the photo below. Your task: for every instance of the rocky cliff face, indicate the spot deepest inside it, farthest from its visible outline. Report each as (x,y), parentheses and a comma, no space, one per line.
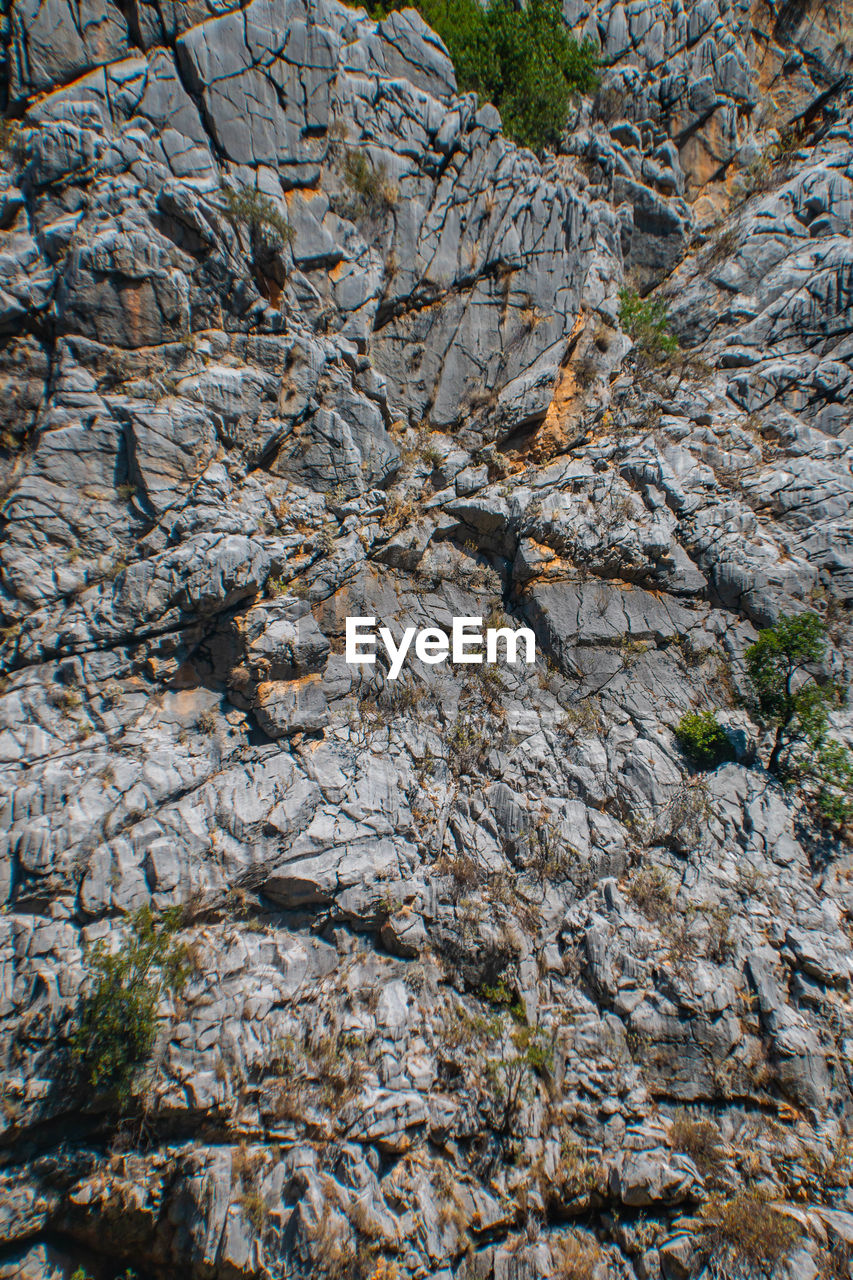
(486,981)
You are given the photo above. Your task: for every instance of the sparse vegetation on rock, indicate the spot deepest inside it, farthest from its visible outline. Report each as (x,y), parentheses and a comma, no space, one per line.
(248,207)
(495,972)
(369,183)
(117,1020)
(699,1139)
(749,1232)
(647,321)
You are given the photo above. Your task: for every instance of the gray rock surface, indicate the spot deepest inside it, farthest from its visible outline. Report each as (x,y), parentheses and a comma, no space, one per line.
(485,980)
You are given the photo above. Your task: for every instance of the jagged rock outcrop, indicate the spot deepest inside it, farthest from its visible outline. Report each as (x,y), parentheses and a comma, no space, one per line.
(694,102)
(485,979)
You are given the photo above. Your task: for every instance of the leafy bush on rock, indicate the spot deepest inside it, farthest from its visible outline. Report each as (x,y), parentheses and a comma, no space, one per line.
(791,698)
(703,739)
(646,320)
(522,58)
(117,1021)
(787,695)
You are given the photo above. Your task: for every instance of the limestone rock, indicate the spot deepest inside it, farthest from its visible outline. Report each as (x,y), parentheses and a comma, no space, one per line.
(482,970)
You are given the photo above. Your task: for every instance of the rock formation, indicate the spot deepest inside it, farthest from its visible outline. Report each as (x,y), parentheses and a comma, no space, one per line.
(485,979)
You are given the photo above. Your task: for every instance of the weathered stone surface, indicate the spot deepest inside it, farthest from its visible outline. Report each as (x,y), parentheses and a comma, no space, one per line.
(54,42)
(290,706)
(641,1179)
(472,952)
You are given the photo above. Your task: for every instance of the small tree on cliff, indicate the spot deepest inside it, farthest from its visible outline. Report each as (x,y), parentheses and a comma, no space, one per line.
(791,699)
(788,695)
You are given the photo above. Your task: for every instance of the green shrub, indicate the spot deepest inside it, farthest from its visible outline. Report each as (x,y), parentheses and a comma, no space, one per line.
(646,321)
(498,994)
(250,208)
(117,1021)
(788,697)
(522,59)
(516,1054)
(782,652)
(832,770)
(703,739)
(501,1057)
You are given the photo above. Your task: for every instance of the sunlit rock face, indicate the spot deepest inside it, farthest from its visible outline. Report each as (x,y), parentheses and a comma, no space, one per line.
(484,979)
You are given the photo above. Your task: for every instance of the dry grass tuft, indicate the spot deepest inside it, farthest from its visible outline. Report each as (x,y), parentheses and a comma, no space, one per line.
(748,1231)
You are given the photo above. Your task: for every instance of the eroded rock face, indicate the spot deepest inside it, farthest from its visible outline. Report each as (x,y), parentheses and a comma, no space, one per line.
(696,101)
(291,333)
